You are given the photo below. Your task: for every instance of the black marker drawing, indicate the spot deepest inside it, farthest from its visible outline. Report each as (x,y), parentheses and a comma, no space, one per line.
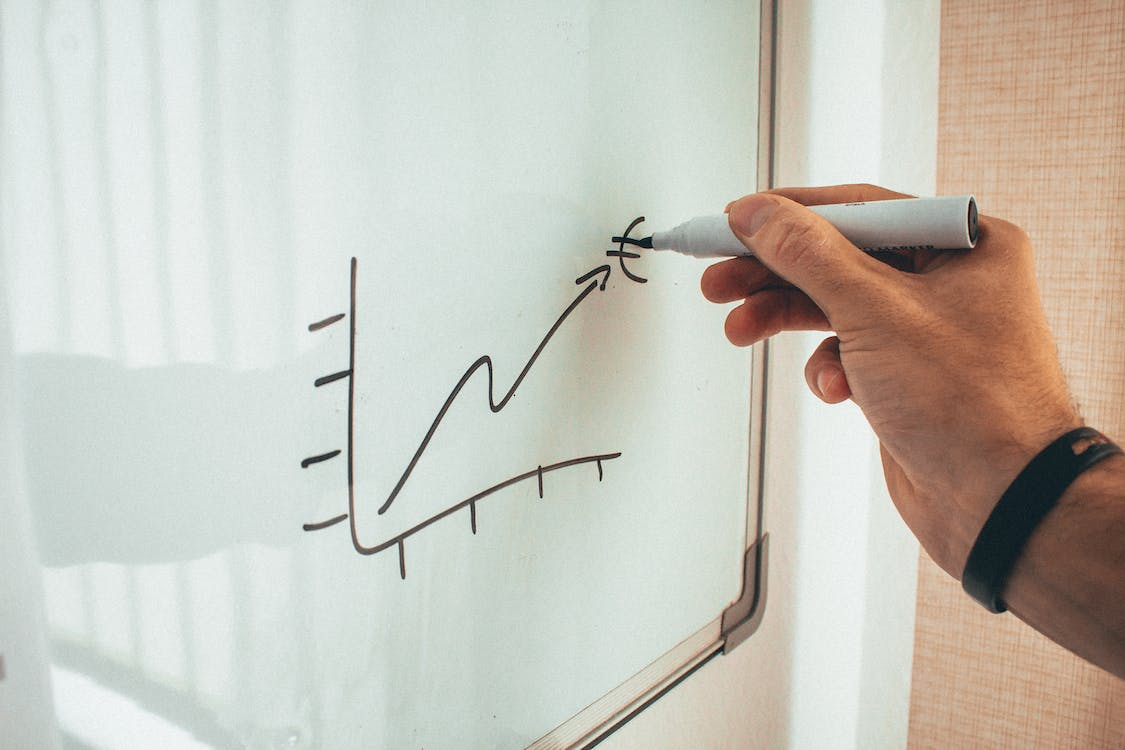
(495,406)
(621,253)
(307,462)
(326,322)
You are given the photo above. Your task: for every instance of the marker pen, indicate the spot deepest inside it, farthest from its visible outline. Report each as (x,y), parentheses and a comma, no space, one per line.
(942,223)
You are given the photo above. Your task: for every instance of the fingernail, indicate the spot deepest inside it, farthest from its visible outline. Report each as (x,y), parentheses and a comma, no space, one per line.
(825,378)
(749,214)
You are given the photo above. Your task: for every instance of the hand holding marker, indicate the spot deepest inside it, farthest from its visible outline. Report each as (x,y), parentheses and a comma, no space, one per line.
(954,365)
(942,223)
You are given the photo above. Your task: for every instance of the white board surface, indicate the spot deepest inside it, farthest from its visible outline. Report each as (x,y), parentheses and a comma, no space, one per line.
(185,187)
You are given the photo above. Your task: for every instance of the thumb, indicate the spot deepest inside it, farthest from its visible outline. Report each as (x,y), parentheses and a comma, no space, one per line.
(806,250)
(824,372)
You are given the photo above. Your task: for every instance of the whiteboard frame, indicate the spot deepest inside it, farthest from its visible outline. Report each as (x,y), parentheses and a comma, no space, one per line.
(741,619)
(726,631)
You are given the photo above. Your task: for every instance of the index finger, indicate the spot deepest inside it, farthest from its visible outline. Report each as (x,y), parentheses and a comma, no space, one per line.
(737,278)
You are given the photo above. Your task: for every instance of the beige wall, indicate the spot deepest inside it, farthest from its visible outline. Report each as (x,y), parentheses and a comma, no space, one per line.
(1032,103)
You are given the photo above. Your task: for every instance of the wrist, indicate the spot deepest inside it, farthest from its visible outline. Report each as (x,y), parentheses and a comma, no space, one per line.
(996,468)
(1021,509)
(1069,581)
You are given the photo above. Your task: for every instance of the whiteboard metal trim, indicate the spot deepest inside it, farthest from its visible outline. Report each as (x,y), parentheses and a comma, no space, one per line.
(742,618)
(601,718)
(734,625)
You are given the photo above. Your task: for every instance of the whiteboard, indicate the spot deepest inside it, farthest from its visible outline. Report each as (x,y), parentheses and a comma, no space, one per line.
(332,416)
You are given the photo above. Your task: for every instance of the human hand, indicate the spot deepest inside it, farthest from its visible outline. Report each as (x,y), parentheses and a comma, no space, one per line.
(952,363)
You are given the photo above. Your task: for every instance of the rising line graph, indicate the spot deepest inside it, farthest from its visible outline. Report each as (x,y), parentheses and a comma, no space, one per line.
(592,283)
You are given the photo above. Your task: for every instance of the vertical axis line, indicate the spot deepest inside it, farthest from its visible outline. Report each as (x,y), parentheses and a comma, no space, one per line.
(351,410)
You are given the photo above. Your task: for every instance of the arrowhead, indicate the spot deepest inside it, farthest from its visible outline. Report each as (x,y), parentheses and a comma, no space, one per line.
(591,274)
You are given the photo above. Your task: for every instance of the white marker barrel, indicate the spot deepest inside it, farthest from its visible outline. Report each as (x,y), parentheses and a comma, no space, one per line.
(942,223)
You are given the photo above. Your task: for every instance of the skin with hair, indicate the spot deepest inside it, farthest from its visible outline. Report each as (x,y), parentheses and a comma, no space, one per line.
(951,359)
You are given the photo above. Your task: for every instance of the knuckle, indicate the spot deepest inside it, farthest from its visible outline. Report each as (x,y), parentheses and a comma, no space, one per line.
(1005,229)
(801,242)
(1007,237)
(1002,226)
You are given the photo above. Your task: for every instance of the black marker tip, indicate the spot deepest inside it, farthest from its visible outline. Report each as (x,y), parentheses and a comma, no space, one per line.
(645,243)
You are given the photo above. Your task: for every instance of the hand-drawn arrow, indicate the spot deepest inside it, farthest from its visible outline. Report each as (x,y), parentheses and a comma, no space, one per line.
(495,406)
(486,362)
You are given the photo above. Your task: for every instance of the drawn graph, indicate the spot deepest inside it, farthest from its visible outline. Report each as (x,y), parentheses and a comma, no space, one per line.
(594,280)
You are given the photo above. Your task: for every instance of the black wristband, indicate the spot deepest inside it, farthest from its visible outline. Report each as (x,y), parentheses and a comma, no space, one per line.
(1020,509)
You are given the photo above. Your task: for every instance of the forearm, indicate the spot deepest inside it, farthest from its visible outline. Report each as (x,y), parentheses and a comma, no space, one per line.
(1069,581)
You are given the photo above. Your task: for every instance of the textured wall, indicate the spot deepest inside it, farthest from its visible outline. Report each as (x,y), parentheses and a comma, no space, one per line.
(1032,103)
